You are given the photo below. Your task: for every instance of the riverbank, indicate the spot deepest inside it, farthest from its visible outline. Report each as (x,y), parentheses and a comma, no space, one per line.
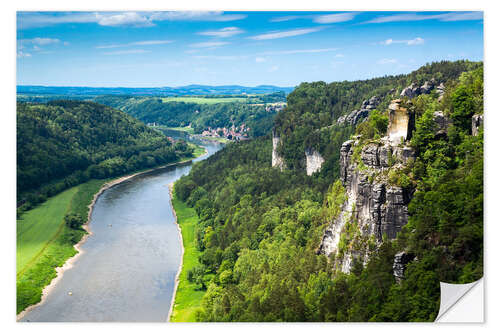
(186,299)
(61,252)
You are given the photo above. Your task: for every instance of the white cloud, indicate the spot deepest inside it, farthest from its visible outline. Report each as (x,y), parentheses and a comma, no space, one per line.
(454,16)
(139,43)
(21,54)
(339,55)
(208,44)
(41,41)
(126,52)
(284,18)
(216,16)
(386,61)
(334,18)
(260,59)
(224,32)
(283,34)
(415,41)
(298,51)
(216,57)
(273,68)
(27,20)
(124,19)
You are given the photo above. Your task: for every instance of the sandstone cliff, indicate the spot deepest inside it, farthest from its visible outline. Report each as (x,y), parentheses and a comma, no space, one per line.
(375,204)
(277,160)
(314,161)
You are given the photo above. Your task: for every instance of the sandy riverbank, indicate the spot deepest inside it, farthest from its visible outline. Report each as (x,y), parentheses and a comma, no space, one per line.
(86,226)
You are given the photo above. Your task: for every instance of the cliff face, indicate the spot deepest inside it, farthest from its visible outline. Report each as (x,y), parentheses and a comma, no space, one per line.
(374,206)
(277,160)
(376,199)
(314,161)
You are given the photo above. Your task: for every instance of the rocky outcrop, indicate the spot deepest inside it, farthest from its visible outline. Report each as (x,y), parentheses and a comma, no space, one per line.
(442,123)
(401,260)
(314,161)
(373,204)
(413,90)
(401,122)
(277,160)
(359,115)
(477,122)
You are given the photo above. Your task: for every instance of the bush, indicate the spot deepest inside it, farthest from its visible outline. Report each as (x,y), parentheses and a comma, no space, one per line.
(74,221)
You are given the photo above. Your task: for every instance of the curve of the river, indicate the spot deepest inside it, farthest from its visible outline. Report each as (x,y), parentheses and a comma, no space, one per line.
(128,266)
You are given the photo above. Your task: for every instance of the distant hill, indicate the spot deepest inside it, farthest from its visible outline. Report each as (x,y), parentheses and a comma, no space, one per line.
(160,91)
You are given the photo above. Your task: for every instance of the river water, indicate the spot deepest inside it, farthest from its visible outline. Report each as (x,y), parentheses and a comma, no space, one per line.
(127,270)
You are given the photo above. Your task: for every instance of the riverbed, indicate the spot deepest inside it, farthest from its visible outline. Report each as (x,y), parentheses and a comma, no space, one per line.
(127,268)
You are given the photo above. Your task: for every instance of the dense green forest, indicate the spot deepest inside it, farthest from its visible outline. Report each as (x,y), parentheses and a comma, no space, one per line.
(260,228)
(201,116)
(64,143)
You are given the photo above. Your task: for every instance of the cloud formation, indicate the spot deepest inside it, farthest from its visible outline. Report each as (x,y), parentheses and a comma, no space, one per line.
(454,16)
(126,52)
(139,43)
(334,18)
(28,20)
(208,44)
(415,41)
(222,33)
(285,33)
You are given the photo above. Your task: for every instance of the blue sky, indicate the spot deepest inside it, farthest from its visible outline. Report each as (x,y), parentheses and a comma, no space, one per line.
(154,49)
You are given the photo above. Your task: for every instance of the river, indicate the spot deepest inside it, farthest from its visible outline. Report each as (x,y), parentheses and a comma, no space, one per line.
(127,270)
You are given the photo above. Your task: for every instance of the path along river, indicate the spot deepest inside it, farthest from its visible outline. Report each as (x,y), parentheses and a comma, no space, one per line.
(128,266)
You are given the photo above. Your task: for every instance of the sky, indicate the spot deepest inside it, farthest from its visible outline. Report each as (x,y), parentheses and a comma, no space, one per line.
(157,49)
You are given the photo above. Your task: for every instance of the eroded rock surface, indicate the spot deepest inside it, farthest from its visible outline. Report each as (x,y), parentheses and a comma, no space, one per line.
(277,160)
(314,161)
(377,207)
(477,122)
(359,115)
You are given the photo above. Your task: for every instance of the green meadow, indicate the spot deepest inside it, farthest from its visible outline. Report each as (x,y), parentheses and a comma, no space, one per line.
(204,100)
(44,242)
(188,296)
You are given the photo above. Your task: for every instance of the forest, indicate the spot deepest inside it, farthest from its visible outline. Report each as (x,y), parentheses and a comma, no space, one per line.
(64,143)
(201,115)
(259,228)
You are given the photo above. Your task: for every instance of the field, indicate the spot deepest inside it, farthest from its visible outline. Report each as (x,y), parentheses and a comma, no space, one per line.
(44,242)
(204,100)
(188,298)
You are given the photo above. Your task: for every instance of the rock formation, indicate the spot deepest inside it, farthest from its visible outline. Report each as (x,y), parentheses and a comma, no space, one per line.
(442,123)
(477,122)
(277,160)
(401,259)
(314,161)
(358,115)
(376,206)
(413,90)
(401,122)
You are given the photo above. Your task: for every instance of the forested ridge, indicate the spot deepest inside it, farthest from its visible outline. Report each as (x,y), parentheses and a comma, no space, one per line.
(64,143)
(252,113)
(260,227)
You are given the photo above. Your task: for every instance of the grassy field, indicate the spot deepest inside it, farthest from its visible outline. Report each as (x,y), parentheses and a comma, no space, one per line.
(186,129)
(44,242)
(187,298)
(204,100)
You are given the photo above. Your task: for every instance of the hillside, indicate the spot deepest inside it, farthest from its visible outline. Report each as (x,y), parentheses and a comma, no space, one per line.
(355,222)
(64,143)
(255,113)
